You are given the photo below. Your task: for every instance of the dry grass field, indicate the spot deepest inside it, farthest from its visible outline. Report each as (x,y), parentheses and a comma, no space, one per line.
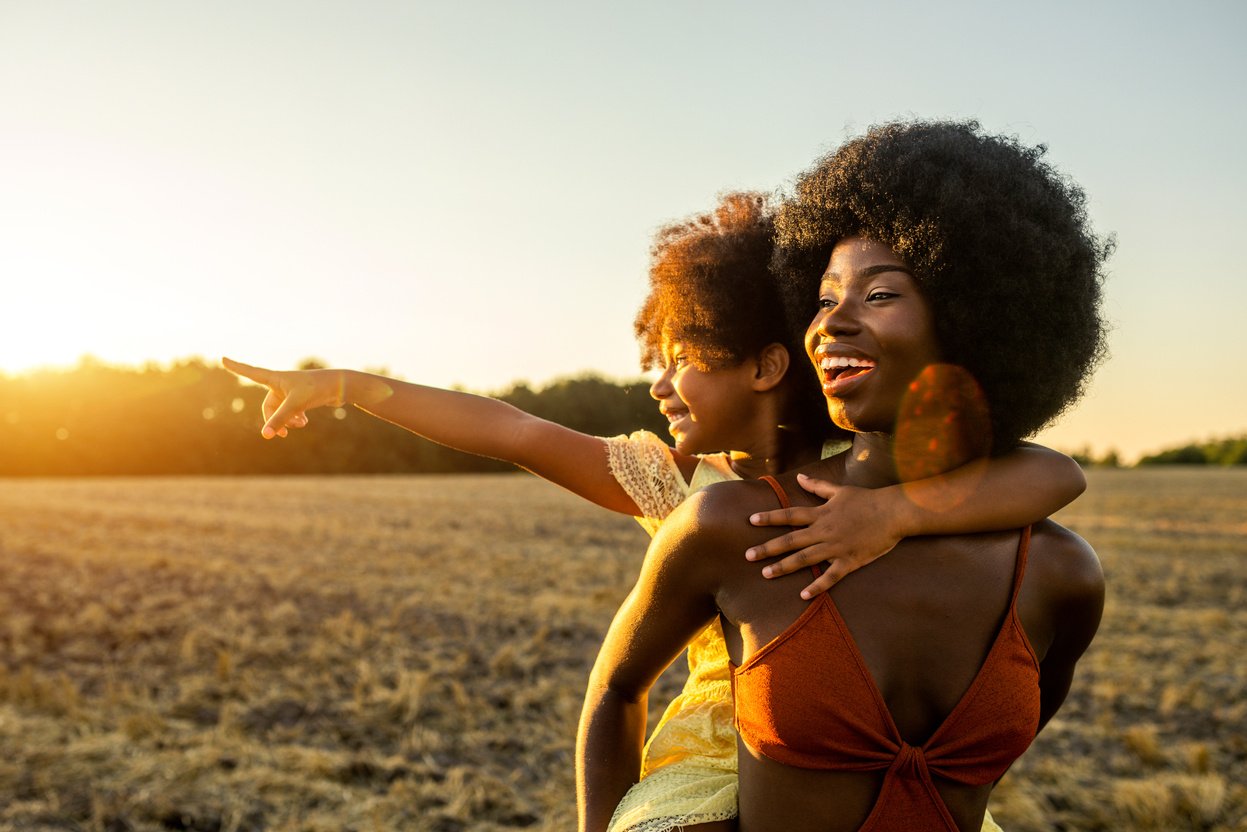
(410,653)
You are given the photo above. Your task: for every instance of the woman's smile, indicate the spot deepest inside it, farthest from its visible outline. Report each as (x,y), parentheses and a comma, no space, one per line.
(841,368)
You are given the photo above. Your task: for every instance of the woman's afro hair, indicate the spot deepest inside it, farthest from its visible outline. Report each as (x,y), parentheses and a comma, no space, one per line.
(998,240)
(711,290)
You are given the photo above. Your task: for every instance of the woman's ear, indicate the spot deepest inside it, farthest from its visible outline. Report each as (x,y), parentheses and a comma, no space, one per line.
(771,368)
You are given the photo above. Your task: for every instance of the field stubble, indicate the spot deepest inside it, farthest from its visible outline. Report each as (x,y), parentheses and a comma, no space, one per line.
(411,652)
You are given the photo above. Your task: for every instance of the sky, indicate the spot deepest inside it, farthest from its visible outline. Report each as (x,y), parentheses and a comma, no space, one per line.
(465,194)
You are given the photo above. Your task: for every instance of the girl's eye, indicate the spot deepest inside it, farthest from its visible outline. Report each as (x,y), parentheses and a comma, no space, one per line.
(826,303)
(881,295)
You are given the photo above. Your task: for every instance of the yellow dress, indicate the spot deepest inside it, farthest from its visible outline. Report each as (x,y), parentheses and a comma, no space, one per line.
(688,766)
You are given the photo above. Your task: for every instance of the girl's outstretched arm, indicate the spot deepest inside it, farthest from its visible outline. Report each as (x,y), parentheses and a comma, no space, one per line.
(857,525)
(475,424)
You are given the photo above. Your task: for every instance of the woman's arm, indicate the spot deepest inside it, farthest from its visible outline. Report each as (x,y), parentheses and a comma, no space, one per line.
(671,602)
(1070,582)
(857,525)
(475,424)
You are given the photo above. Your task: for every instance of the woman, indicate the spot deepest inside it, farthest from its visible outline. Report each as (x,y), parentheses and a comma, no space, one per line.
(714,322)
(958,310)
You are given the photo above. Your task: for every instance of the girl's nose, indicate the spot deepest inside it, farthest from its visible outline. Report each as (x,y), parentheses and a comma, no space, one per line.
(661,388)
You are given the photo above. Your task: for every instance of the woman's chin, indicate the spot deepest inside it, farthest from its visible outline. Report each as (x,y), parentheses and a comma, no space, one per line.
(841,417)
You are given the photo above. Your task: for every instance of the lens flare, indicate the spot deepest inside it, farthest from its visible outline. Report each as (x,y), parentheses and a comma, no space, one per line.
(942,423)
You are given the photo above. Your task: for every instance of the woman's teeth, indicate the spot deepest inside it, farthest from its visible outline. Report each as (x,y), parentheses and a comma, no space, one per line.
(840,365)
(845,361)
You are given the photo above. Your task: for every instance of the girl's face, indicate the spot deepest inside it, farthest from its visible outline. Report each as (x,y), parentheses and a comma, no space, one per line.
(706,408)
(872,336)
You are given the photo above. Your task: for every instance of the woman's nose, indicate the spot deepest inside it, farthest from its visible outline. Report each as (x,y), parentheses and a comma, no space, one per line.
(839,320)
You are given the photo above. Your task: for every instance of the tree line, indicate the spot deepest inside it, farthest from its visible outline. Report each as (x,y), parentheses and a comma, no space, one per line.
(197,418)
(1230,451)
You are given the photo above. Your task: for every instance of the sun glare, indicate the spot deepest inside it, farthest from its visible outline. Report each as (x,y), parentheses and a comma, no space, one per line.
(59,323)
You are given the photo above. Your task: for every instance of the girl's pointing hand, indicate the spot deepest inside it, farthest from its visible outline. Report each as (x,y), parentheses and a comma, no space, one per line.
(291,393)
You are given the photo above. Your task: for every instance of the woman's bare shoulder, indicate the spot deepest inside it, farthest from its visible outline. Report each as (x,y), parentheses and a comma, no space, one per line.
(1065,564)
(729,504)
(717,515)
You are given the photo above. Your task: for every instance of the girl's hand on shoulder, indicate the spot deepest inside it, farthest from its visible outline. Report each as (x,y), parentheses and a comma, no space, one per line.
(291,393)
(852,528)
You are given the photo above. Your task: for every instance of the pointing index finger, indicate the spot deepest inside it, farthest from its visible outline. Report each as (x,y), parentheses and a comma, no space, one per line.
(256,374)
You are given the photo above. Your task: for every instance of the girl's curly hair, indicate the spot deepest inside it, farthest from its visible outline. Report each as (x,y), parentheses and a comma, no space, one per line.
(998,240)
(712,290)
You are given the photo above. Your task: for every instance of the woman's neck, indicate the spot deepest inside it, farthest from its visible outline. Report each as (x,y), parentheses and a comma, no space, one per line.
(869,462)
(877,460)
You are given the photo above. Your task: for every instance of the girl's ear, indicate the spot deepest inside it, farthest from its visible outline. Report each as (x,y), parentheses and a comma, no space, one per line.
(772,366)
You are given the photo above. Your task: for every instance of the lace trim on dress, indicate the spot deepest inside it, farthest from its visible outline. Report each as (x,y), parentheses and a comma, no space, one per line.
(642,463)
(673,800)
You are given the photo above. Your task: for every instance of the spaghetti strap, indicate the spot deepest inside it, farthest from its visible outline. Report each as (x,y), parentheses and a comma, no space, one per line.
(1019,570)
(784,501)
(778,489)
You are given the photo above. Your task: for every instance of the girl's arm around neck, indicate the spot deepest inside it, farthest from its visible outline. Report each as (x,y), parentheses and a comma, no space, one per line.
(1021,487)
(674,598)
(855,525)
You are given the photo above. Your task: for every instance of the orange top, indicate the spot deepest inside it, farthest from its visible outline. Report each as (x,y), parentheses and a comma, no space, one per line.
(807,699)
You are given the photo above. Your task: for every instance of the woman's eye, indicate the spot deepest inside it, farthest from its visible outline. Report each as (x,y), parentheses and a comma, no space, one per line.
(881,295)
(826,303)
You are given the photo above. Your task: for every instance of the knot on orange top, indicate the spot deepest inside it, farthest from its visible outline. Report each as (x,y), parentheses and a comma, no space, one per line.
(911,762)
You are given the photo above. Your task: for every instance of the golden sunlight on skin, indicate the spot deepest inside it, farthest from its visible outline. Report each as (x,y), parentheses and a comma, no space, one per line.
(942,420)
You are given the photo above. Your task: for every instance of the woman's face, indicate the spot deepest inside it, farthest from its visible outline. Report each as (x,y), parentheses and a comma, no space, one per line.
(872,337)
(705,407)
